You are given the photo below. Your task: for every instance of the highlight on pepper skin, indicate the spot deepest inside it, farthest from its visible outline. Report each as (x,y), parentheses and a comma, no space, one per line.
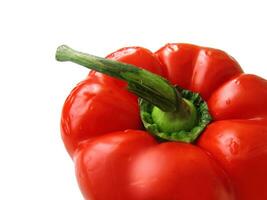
(182,123)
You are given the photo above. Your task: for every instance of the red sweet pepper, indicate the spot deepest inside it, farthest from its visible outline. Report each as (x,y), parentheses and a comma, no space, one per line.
(202,134)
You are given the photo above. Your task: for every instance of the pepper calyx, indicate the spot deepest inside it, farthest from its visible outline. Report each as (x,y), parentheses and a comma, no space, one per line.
(187,136)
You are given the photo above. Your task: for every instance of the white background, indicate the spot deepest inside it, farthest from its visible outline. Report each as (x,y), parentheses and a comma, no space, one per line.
(33,86)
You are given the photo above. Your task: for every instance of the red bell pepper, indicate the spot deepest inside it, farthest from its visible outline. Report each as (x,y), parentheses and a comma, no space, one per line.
(204,139)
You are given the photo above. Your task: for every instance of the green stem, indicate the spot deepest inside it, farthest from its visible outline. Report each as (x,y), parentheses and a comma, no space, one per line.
(169,113)
(153,88)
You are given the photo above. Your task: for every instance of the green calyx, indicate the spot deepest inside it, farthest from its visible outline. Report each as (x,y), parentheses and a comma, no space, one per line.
(184,126)
(182,119)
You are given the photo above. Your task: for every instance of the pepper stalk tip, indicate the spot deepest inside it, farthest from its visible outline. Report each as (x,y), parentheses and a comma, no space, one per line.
(62,53)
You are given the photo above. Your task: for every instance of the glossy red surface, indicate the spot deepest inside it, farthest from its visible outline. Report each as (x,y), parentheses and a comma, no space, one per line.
(116,161)
(240,147)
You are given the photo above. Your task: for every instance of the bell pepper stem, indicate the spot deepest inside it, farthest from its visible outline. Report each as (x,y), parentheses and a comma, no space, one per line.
(151,87)
(167,112)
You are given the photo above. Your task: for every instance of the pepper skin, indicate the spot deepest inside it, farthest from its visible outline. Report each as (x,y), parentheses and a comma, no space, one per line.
(116,159)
